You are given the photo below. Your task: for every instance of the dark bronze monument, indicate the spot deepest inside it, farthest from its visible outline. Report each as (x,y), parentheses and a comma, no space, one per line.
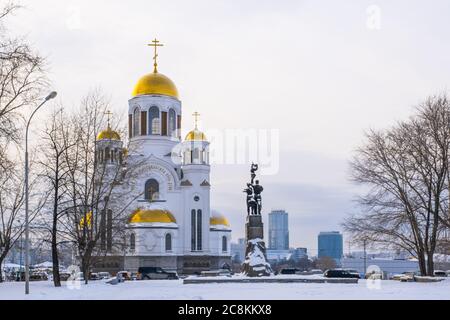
(255,264)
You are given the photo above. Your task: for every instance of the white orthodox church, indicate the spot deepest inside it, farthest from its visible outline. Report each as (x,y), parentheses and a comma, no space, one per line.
(170,223)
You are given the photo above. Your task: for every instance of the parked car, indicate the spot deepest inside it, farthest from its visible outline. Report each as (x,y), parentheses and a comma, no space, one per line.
(338,273)
(124,274)
(104,275)
(374,276)
(155,273)
(64,276)
(316,271)
(353,273)
(440,273)
(289,271)
(38,276)
(405,276)
(216,273)
(94,276)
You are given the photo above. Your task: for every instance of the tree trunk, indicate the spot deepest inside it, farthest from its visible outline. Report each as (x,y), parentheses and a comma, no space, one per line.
(422,263)
(430,264)
(1,270)
(85,268)
(55,258)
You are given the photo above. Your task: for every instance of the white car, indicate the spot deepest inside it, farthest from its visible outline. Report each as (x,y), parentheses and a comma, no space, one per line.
(404,277)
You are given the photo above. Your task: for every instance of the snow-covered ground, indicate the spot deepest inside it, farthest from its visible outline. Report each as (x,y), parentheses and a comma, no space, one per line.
(176,290)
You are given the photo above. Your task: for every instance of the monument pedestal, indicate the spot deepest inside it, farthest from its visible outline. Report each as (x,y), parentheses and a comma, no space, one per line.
(255,264)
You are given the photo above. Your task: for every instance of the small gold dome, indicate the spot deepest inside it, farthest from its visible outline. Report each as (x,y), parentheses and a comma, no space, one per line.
(152,216)
(218,220)
(108,134)
(196,135)
(155,83)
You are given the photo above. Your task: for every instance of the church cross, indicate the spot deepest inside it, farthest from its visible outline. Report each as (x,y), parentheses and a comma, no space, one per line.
(109,114)
(155,43)
(196,115)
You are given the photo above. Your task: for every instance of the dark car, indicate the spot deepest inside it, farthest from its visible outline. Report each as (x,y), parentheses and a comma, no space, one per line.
(155,273)
(333,273)
(289,271)
(354,273)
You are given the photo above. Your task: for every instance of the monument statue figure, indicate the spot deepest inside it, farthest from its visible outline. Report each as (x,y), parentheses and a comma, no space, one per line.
(257,190)
(255,264)
(253,170)
(251,203)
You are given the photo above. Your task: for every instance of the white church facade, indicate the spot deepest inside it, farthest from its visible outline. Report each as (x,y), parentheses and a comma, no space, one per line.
(170,223)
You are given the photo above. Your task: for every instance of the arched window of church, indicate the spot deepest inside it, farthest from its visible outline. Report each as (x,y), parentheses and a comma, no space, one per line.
(224,244)
(132,242)
(172,123)
(199,230)
(193,230)
(152,190)
(168,242)
(153,120)
(136,120)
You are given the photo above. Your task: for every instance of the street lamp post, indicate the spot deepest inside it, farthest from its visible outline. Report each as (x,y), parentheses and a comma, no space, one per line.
(52,95)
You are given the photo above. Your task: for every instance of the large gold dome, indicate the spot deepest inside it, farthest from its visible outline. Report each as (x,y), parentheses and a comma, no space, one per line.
(155,83)
(152,216)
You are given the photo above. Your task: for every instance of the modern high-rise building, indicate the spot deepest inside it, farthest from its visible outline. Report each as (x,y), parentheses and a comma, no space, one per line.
(331,245)
(278,230)
(238,250)
(299,253)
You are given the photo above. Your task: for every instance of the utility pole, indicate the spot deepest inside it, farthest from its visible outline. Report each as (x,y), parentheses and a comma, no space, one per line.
(52,95)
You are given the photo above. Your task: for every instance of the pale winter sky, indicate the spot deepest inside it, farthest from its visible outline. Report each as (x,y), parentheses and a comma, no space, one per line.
(321,72)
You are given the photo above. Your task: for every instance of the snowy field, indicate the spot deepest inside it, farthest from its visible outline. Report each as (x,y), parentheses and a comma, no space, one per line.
(176,290)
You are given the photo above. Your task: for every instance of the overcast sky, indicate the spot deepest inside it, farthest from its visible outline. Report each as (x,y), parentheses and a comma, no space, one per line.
(321,72)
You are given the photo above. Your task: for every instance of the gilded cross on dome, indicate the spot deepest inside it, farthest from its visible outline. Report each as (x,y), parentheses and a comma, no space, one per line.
(109,114)
(155,43)
(196,115)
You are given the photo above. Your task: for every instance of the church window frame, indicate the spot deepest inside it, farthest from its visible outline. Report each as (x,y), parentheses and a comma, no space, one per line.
(199,230)
(136,121)
(132,242)
(224,244)
(172,123)
(168,243)
(154,121)
(193,230)
(151,191)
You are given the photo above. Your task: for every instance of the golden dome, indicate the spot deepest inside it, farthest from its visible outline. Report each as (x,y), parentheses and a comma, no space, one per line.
(88,220)
(218,220)
(152,216)
(108,134)
(155,83)
(196,135)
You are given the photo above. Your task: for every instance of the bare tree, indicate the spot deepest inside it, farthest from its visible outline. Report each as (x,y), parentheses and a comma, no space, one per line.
(57,139)
(12,213)
(406,171)
(96,186)
(324,263)
(22,77)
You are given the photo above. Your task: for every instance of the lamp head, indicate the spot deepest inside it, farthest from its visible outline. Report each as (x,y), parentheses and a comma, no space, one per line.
(52,95)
